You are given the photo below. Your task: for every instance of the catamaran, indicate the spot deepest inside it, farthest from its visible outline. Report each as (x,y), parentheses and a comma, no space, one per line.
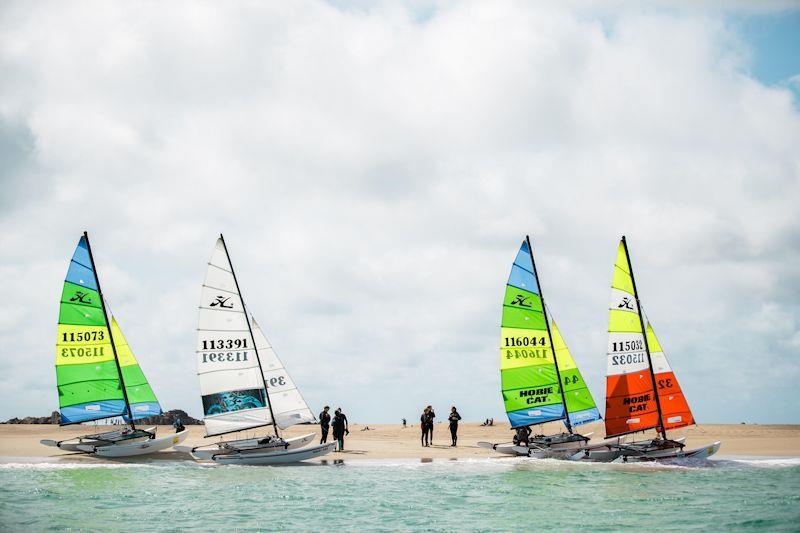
(243,384)
(539,378)
(97,374)
(642,392)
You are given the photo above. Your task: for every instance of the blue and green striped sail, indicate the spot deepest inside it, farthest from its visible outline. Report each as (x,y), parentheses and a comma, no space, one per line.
(88,382)
(531,390)
(530,380)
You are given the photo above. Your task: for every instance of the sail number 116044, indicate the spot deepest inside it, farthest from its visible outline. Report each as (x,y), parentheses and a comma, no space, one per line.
(516,342)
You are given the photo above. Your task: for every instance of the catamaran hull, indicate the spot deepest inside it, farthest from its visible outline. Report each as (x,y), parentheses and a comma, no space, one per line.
(506,448)
(139,447)
(208,454)
(554,449)
(69,446)
(701,453)
(275,457)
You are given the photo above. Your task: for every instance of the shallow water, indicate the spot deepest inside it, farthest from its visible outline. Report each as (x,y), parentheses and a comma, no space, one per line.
(487,494)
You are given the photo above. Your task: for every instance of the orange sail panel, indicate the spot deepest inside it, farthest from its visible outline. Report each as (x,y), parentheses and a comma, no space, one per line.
(630,398)
(675,412)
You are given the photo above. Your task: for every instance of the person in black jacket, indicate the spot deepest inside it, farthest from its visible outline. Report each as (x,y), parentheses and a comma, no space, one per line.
(426,424)
(340,427)
(324,424)
(454,418)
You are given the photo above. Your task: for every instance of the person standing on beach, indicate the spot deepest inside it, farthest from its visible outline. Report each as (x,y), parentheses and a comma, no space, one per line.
(454,418)
(423,427)
(427,425)
(324,424)
(340,427)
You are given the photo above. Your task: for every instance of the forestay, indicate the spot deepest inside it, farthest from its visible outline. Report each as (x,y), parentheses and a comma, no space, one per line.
(231,384)
(288,405)
(528,376)
(630,399)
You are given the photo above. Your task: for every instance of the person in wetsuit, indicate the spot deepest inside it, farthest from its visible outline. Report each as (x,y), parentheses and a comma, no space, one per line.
(324,424)
(423,428)
(454,418)
(521,437)
(427,425)
(340,427)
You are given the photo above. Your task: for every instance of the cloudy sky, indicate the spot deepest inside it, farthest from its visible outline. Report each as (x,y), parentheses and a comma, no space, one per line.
(374,167)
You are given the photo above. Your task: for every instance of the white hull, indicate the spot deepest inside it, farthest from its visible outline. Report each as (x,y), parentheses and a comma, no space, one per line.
(245,446)
(506,448)
(73,444)
(275,457)
(135,446)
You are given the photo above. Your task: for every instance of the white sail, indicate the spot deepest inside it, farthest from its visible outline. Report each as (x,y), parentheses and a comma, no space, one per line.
(231,384)
(288,404)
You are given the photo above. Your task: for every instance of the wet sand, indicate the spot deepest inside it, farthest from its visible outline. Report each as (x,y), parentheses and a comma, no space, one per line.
(392,441)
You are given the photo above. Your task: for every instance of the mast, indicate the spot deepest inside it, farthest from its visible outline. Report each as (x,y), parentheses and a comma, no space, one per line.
(108,327)
(550,336)
(644,335)
(252,337)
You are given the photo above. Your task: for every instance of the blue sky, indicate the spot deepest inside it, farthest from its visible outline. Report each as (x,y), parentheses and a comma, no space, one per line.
(775,42)
(374,169)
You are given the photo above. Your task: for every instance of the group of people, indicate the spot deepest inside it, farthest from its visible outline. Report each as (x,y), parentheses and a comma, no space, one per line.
(339,424)
(340,428)
(426,425)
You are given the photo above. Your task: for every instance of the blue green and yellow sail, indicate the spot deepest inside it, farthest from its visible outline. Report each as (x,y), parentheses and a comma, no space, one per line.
(88,377)
(530,378)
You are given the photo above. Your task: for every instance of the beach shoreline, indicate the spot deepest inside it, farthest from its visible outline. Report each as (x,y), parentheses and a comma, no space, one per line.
(391,441)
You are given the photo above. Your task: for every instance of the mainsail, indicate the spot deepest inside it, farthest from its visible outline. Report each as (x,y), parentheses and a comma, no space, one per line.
(528,374)
(288,405)
(96,372)
(580,404)
(631,403)
(231,382)
(87,376)
(675,412)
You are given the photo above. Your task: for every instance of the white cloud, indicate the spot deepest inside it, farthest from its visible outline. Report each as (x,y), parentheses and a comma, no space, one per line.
(374,171)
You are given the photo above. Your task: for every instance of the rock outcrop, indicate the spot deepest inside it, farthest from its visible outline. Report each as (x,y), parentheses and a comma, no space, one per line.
(165,419)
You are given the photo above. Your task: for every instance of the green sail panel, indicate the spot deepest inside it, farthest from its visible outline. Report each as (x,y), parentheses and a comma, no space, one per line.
(529,380)
(87,379)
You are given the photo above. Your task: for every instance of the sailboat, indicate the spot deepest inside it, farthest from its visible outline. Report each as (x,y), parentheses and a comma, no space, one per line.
(97,374)
(642,392)
(539,378)
(243,384)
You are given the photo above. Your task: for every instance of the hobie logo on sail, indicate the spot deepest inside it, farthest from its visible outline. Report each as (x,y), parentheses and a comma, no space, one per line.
(522,301)
(81,297)
(626,304)
(222,302)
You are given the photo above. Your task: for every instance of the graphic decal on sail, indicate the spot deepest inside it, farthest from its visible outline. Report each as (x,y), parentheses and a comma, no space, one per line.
(630,398)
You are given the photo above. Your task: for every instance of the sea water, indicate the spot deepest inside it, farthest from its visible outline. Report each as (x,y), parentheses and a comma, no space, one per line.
(464,495)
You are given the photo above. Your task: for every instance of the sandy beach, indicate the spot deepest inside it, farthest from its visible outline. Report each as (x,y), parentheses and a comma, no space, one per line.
(391,441)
